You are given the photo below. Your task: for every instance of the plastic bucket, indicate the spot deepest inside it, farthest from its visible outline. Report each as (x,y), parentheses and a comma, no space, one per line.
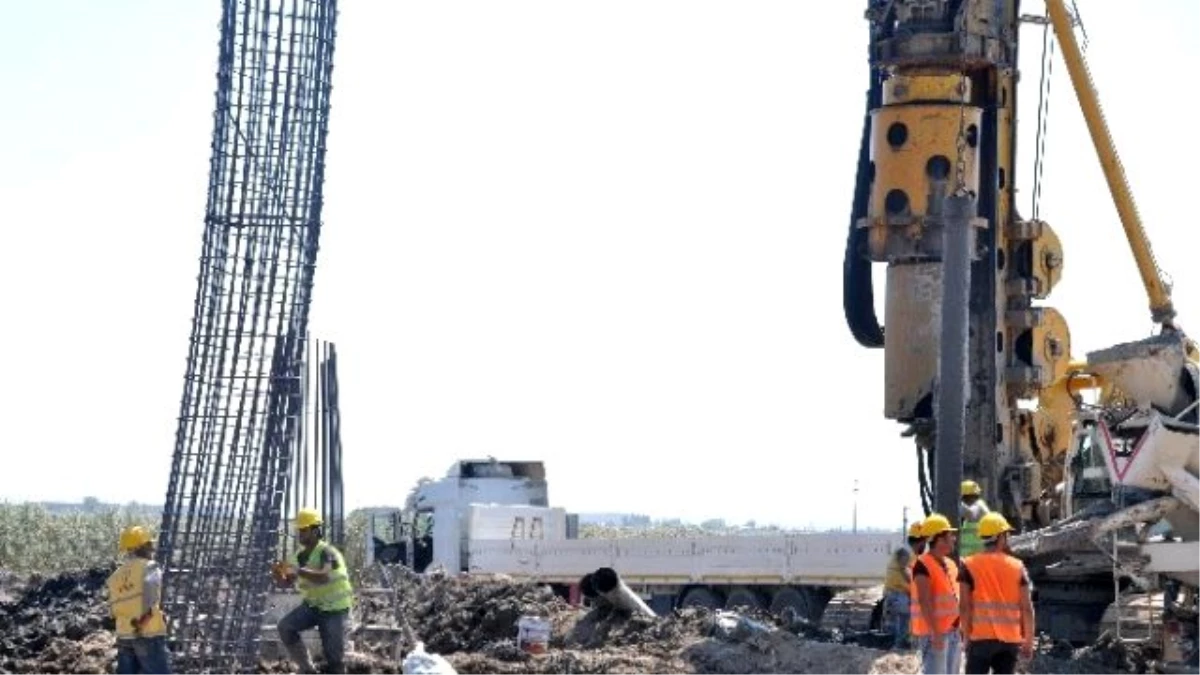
(533,634)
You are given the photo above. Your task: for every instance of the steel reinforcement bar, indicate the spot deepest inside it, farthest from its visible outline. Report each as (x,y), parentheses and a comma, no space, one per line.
(241,406)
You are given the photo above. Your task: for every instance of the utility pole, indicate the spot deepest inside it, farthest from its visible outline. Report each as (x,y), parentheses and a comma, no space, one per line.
(854,516)
(904,523)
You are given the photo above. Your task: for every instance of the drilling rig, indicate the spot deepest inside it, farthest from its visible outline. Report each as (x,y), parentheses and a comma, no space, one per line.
(1105,458)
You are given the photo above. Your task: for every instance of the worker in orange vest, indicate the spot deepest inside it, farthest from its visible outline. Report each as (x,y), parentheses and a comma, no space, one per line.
(997,602)
(934,598)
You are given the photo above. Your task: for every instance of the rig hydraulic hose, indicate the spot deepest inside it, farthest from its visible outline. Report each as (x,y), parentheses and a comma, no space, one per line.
(858,292)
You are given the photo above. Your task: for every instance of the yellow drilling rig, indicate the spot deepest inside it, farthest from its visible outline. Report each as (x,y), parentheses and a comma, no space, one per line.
(1099,474)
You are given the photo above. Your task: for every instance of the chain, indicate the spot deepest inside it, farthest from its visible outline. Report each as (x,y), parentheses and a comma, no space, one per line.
(960,163)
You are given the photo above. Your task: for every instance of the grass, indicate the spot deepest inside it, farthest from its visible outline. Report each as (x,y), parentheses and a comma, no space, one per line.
(36,540)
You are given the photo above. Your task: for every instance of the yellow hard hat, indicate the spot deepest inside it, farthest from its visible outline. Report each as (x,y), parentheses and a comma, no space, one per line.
(970,488)
(133,538)
(914,530)
(934,525)
(993,524)
(307,518)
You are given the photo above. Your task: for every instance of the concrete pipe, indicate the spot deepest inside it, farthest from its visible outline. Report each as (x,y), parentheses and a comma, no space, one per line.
(587,587)
(609,586)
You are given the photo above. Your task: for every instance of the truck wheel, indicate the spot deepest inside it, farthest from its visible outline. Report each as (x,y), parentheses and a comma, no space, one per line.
(806,603)
(744,598)
(701,597)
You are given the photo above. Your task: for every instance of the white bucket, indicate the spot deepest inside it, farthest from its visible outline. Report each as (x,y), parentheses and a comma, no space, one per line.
(533,634)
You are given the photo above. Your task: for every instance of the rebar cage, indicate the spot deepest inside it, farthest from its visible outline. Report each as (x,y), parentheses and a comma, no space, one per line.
(240,413)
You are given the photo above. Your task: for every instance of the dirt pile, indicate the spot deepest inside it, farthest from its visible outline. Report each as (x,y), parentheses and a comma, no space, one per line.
(1106,655)
(474,625)
(58,625)
(61,624)
(453,614)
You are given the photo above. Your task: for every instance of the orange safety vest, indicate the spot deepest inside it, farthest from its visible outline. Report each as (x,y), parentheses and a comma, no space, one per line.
(995,596)
(944,585)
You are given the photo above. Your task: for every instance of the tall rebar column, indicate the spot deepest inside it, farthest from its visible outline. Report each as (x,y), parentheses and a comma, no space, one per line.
(316,473)
(242,396)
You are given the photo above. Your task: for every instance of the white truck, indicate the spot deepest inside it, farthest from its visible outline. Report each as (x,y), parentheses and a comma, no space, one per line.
(493,517)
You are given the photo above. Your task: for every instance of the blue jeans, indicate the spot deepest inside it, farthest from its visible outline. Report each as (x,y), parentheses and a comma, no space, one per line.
(330,625)
(945,661)
(896,609)
(143,655)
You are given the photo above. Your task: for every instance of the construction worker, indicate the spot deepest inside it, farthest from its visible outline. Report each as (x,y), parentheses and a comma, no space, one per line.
(896,587)
(134,600)
(997,603)
(970,511)
(319,571)
(934,599)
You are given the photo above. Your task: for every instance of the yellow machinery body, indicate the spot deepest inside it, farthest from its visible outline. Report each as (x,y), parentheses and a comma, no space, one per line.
(941,121)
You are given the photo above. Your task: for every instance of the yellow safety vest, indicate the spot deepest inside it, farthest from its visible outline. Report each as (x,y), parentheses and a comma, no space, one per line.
(896,579)
(969,542)
(125,599)
(336,594)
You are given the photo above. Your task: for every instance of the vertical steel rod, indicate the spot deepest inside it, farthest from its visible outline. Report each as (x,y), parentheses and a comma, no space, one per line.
(952,386)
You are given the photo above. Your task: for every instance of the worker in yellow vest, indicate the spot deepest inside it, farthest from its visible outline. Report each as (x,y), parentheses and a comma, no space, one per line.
(934,598)
(134,600)
(997,603)
(319,571)
(896,586)
(970,511)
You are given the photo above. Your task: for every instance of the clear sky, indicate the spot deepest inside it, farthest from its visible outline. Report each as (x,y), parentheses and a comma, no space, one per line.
(605,235)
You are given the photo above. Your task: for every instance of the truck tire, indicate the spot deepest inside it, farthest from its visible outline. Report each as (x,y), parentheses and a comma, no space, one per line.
(700,596)
(805,602)
(742,597)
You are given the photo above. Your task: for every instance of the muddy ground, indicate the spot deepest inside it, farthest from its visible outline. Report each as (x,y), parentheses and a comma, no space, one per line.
(61,625)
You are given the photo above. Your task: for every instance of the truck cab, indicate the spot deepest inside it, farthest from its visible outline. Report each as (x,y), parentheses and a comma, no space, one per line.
(476,499)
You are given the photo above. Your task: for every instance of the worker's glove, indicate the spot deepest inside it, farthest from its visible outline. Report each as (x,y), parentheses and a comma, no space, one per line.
(281,570)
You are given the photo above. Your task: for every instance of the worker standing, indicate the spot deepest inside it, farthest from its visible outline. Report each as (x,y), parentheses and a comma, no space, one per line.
(134,600)
(997,603)
(319,571)
(934,599)
(896,587)
(970,511)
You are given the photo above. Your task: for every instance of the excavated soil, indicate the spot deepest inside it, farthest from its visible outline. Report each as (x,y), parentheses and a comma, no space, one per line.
(61,624)
(57,625)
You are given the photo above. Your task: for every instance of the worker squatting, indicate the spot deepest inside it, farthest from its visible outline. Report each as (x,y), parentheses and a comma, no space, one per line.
(979,598)
(317,569)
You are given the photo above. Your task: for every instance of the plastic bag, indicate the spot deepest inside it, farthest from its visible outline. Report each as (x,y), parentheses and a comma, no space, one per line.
(420,662)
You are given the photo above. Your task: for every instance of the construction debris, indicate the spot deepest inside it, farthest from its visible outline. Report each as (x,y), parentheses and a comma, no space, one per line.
(61,624)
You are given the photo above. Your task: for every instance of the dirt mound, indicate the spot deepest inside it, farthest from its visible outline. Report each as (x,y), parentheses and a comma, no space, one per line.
(1106,655)
(456,614)
(61,624)
(58,625)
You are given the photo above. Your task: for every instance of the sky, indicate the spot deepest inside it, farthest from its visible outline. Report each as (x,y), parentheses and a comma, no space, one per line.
(607,236)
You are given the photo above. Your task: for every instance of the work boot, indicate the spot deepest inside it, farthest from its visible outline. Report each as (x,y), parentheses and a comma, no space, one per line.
(299,654)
